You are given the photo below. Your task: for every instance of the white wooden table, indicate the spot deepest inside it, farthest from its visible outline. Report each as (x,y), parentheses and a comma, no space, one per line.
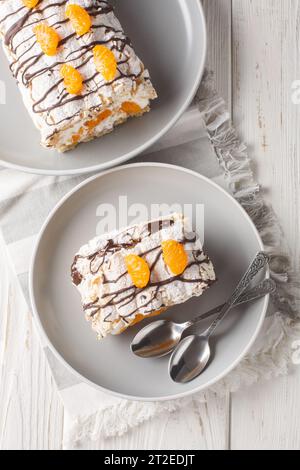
(254,49)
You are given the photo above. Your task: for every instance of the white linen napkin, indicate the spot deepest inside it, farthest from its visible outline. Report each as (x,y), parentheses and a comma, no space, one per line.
(203,140)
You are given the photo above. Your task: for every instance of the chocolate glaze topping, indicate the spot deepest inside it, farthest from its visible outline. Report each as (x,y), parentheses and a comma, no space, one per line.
(24,68)
(126,295)
(117,297)
(98,258)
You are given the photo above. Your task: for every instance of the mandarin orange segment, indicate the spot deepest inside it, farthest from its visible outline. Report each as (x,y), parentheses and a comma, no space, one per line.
(77,137)
(138,270)
(80,19)
(95,122)
(130,107)
(72,79)
(156,313)
(105,62)
(140,317)
(174,256)
(30,3)
(47,38)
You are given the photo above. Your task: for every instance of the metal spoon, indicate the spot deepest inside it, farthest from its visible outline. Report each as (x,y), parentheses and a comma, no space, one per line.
(159,338)
(192,354)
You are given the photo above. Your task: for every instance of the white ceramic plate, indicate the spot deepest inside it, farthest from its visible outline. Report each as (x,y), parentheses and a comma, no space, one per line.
(170,37)
(231,240)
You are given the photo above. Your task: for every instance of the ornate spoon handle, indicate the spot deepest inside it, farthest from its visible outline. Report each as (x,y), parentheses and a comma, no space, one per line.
(264,288)
(259,262)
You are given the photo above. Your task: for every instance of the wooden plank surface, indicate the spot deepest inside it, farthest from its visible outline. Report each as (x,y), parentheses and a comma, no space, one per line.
(264,38)
(31,414)
(218,19)
(265,64)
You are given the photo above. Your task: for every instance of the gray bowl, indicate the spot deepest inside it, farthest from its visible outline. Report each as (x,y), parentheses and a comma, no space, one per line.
(170,37)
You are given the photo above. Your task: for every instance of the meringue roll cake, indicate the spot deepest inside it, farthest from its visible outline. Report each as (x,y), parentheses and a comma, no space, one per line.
(126,276)
(75,67)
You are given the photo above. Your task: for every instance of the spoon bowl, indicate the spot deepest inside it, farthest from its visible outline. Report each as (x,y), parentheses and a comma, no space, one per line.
(192,355)
(157,339)
(189,359)
(160,338)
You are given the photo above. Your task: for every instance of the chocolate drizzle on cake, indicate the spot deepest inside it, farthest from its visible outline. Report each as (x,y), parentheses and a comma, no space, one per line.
(116,298)
(98,258)
(92,307)
(150,295)
(21,22)
(25,66)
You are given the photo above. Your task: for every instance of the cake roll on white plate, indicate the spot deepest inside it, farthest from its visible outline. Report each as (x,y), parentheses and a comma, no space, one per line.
(75,67)
(138,272)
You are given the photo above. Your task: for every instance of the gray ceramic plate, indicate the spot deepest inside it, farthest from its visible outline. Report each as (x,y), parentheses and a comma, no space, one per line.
(170,37)
(231,240)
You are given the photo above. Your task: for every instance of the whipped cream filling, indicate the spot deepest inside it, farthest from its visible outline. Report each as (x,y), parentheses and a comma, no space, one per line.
(140,97)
